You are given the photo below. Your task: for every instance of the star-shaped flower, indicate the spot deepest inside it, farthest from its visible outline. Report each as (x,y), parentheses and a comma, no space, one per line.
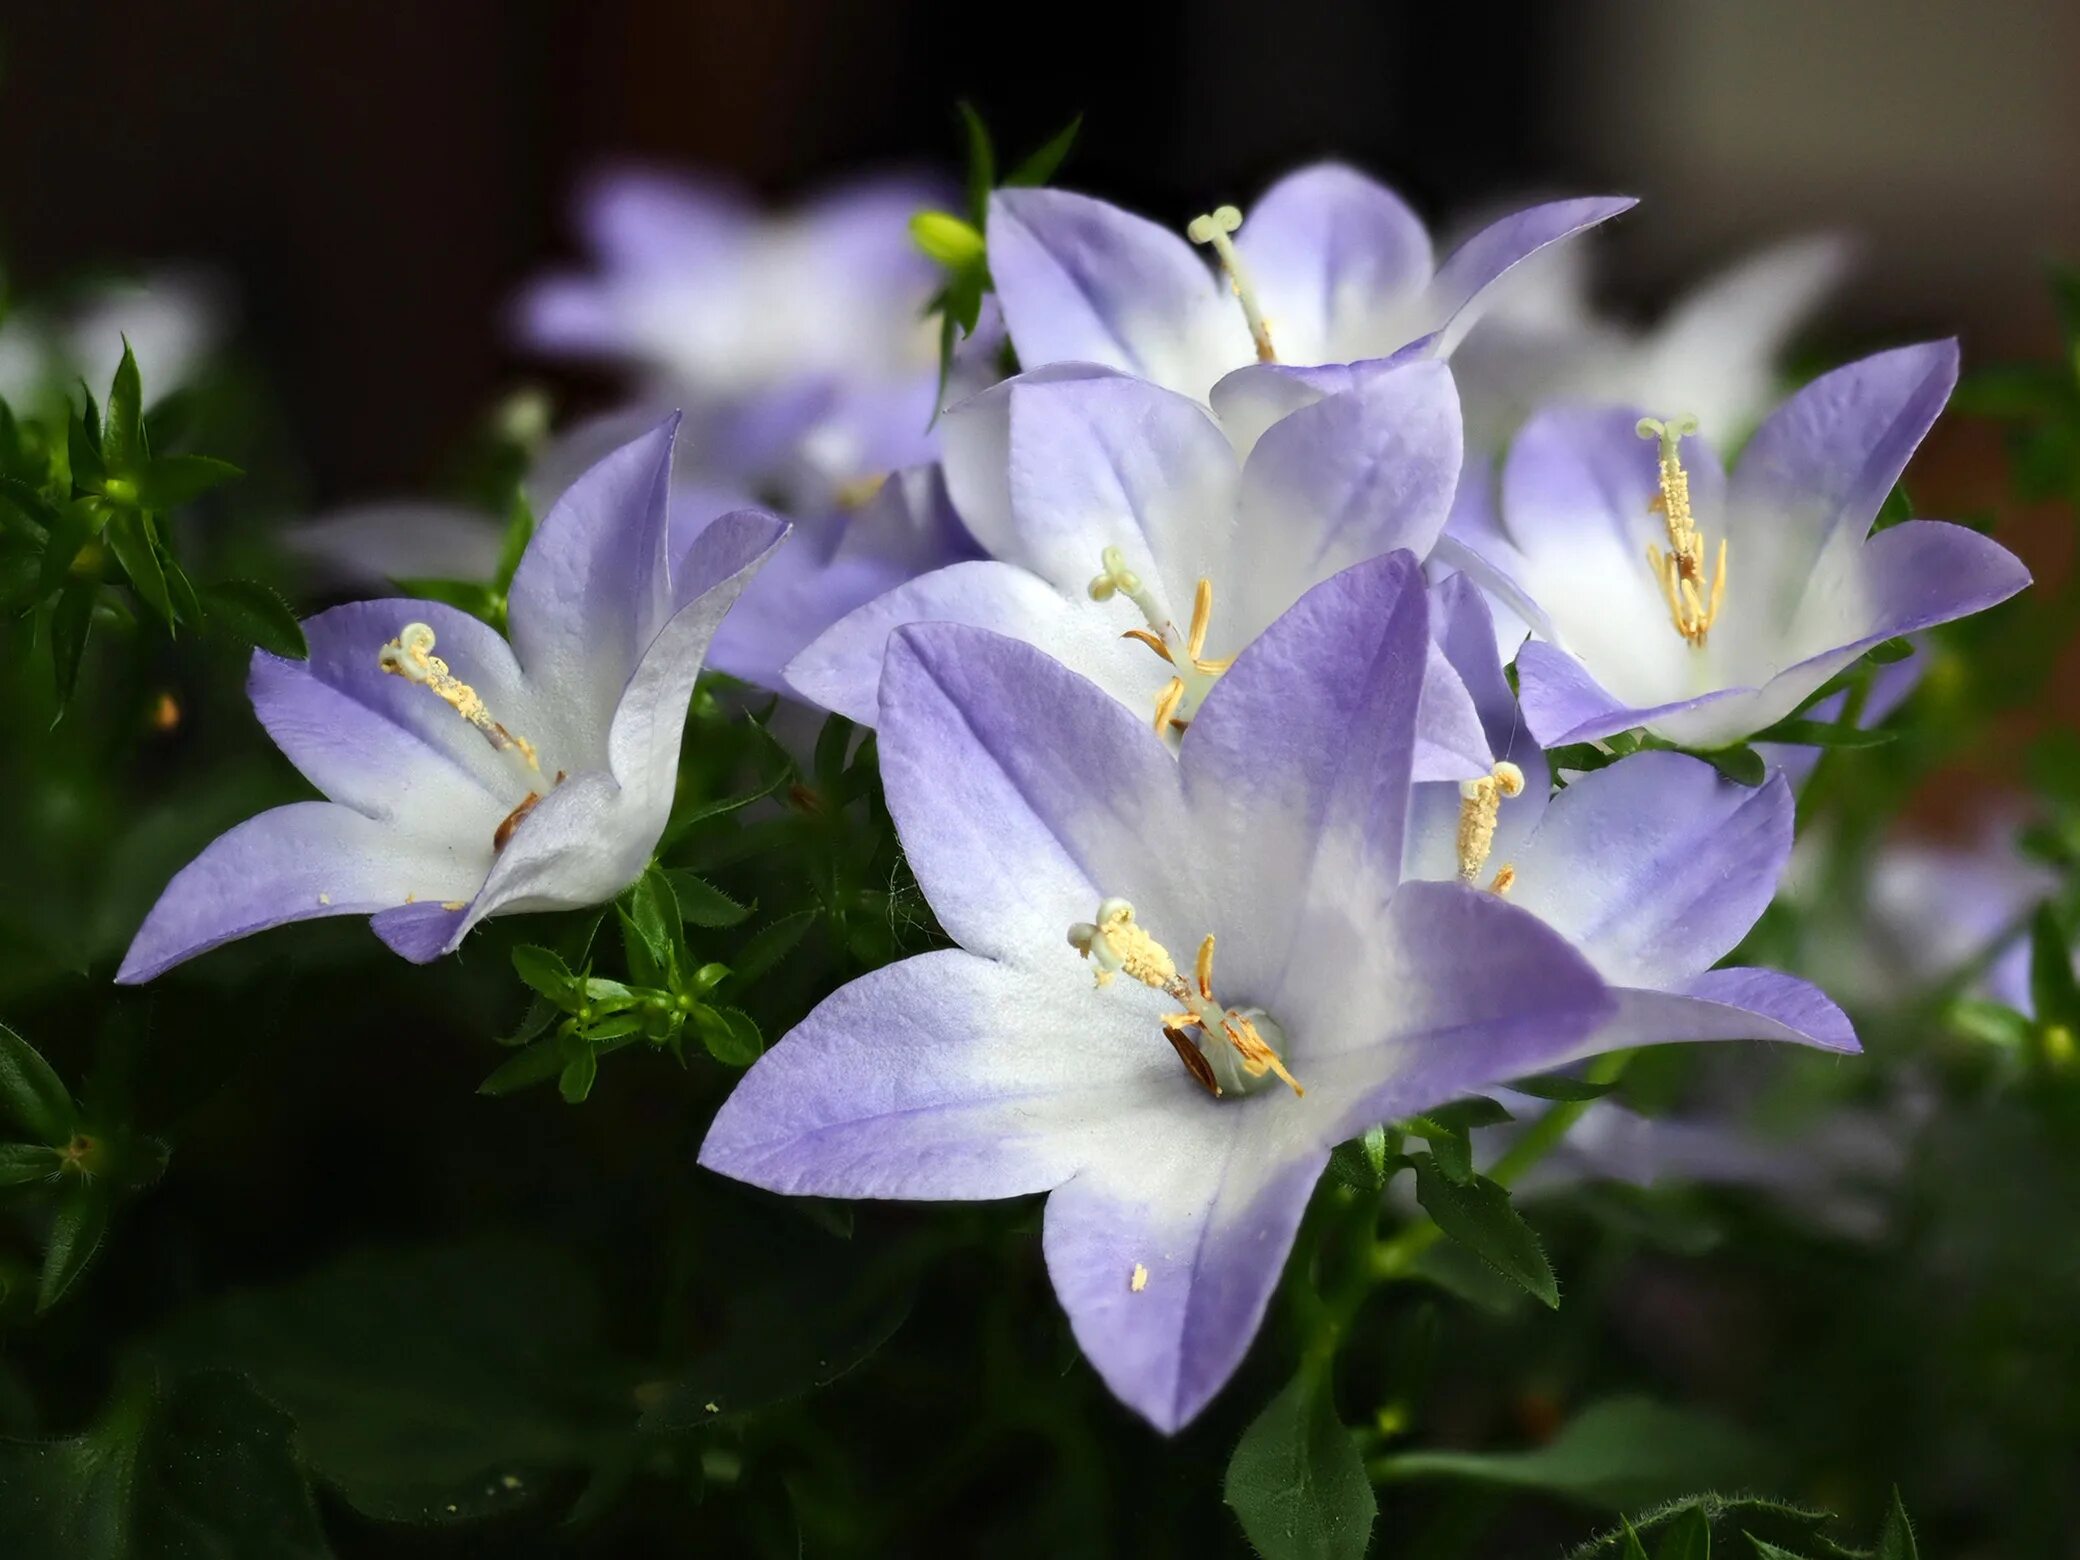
(1665,594)
(470,777)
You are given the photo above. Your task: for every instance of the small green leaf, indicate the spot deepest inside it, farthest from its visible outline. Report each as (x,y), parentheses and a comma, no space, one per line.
(731,1035)
(130,539)
(2052,988)
(523,1069)
(1042,164)
(31,1094)
(1451,1150)
(83,448)
(545,971)
(1689,1537)
(770,945)
(982,162)
(171,481)
(1361,1164)
(77,524)
(122,424)
(1820,733)
(1741,764)
(1479,1216)
(702,904)
(76,1231)
(1890,652)
(1296,1482)
(1634,1550)
(71,621)
(254,614)
(1765,1550)
(651,932)
(575,1082)
(1558,1086)
(23,1163)
(1896,1539)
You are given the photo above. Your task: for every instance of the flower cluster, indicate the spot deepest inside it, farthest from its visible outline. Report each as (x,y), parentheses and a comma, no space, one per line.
(1188,646)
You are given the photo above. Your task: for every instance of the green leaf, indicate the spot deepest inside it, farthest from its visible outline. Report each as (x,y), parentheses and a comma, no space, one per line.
(1890,652)
(651,932)
(1764,1550)
(544,970)
(1558,1086)
(1689,1537)
(76,1231)
(435,1383)
(171,481)
(1896,1538)
(255,614)
(1042,164)
(77,524)
(122,424)
(31,1094)
(72,619)
(204,1470)
(130,539)
(1296,1481)
(512,546)
(24,1163)
(1451,1149)
(981,165)
(2052,988)
(1820,733)
(575,1082)
(1622,1452)
(1787,1529)
(538,1063)
(1478,1215)
(1634,1550)
(1741,764)
(770,945)
(1361,1164)
(1896,510)
(731,1036)
(702,904)
(83,448)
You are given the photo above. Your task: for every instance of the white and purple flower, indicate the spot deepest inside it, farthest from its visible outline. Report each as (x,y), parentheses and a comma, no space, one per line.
(1063,1048)
(1127,539)
(1664,593)
(465,776)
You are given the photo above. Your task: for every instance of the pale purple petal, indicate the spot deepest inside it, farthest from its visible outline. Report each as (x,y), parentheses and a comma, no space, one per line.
(1081,281)
(1732,1004)
(1206,1264)
(1327,249)
(946,1075)
(594,586)
(1023,793)
(841,669)
(295,863)
(1348,478)
(1563,703)
(389,747)
(1656,866)
(1489,253)
(975,435)
(1906,578)
(1250,399)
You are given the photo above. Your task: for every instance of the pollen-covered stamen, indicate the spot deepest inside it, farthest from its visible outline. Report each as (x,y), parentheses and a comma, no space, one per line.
(1693,596)
(1214,228)
(1117,944)
(1187,652)
(1480,804)
(410,656)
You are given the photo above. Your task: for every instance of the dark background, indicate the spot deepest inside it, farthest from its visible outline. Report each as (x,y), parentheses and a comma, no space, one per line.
(375,177)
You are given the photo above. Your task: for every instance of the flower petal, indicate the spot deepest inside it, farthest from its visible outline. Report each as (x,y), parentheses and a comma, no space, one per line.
(1731,1004)
(1082,281)
(945,1075)
(389,747)
(294,863)
(1023,793)
(841,668)
(1348,478)
(1493,250)
(1656,866)
(1906,578)
(1206,1248)
(594,587)
(1250,399)
(1330,251)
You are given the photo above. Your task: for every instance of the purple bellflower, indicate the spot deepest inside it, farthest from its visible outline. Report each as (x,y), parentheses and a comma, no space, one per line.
(1179,1110)
(466,776)
(1663,593)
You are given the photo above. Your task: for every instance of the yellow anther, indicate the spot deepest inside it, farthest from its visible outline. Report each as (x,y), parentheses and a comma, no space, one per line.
(1166,704)
(1693,597)
(410,656)
(858,492)
(1186,652)
(1505,880)
(1117,944)
(1480,803)
(1216,228)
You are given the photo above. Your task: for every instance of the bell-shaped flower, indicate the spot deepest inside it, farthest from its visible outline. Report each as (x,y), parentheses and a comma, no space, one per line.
(1663,593)
(1716,353)
(1330,268)
(1653,868)
(1127,540)
(1181,978)
(467,776)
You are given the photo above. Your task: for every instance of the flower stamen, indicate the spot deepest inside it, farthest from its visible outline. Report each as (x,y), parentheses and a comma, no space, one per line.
(1195,669)
(1693,596)
(1117,944)
(1480,804)
(1215,228)
(410,656)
